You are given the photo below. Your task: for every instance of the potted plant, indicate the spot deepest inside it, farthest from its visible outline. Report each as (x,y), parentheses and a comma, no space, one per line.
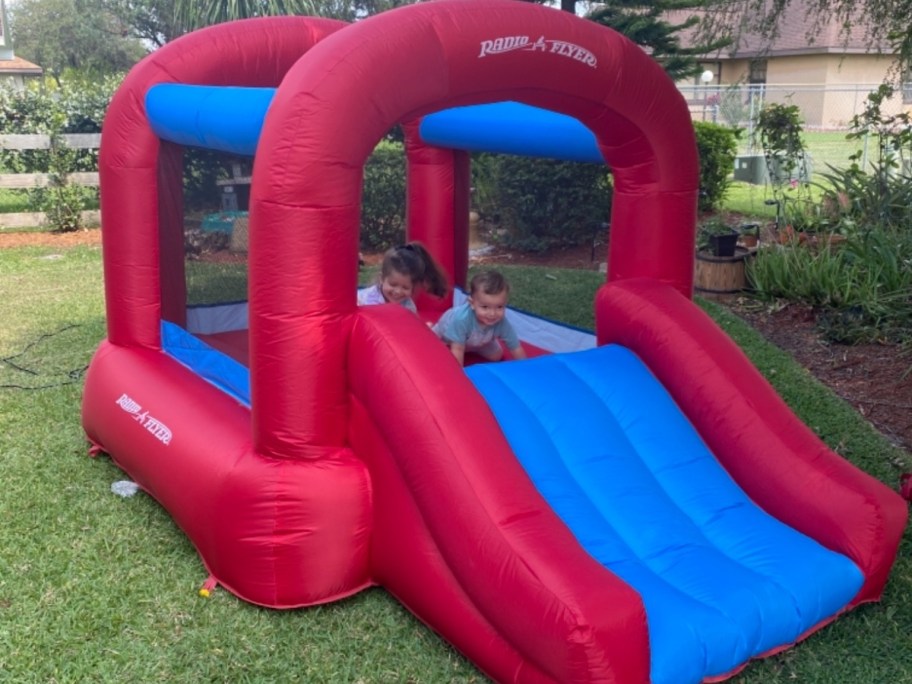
(749,234)
(716,236)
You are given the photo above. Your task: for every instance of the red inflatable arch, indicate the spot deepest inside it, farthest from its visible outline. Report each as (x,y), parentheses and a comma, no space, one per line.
(308,183)
(366,456)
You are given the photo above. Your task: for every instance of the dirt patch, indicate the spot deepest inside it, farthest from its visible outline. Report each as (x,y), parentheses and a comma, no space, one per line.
(874,378)
(76,238)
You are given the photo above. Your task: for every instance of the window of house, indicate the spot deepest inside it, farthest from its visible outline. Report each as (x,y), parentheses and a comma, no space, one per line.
(907,85)
(757,72)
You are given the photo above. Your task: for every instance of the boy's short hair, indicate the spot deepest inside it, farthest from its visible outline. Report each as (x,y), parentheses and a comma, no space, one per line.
(489,282)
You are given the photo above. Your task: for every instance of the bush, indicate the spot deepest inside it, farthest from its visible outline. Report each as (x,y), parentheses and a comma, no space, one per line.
(61,200)
(383,197)
(542,203)
(854,200)
(862,288)
(39,108)
(717,146)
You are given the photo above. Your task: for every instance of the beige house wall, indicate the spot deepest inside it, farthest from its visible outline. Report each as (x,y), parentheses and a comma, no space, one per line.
(734,71)
(829,88)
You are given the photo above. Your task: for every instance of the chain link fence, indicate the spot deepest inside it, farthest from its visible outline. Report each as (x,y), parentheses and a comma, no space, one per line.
(827,112)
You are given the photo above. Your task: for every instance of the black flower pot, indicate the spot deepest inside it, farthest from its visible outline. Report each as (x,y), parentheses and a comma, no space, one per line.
(723,245)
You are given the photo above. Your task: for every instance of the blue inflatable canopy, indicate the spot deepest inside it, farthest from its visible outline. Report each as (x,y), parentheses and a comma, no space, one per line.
(229,119)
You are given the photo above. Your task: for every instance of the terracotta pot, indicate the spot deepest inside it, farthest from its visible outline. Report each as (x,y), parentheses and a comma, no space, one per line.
(749,241)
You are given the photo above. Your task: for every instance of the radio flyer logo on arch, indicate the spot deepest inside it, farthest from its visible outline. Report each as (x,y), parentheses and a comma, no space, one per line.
(563,48)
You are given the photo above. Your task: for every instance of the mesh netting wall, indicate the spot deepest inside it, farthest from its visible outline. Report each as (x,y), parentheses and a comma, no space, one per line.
(216,198)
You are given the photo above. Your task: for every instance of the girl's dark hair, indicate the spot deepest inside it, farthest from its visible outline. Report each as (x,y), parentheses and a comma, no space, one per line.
(414,261)
(489,282)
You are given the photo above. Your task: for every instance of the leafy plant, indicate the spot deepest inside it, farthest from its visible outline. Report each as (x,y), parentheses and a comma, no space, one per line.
(893,132)
(44,108)
(383,198)
(863,288)
(61,200)
(779,128)
(543,203)
(712,228)
(880,195)
(717,146)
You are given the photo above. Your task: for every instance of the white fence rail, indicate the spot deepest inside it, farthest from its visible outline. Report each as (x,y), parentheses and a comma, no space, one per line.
(84,141)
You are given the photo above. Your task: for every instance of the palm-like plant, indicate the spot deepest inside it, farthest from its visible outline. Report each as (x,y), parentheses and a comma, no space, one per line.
(194,14)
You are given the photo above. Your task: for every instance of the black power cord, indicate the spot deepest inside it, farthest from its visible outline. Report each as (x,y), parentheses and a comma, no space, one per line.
(73,376)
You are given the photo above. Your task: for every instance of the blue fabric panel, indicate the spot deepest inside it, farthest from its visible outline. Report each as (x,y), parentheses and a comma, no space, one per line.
(616,459)
(210,364)
(229,119)
(512,128)
(222,118)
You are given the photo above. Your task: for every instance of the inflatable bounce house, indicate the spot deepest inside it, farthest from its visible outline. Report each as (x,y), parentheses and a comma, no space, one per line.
(633,506)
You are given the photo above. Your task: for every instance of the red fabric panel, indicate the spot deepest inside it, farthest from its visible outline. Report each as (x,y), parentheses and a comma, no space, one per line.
(438,208)
(462,200)
(510,555)
(406,562)
(275,532)
(299,326)
(254,52)
(776,459)
(354,85)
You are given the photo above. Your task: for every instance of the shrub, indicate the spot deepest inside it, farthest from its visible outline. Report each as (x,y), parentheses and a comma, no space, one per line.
(383,197)
(61,200)
(779,127)
(854,200)
(863,288)
(40,108)
(202,168)
(542,203)
(717,146)
(880,195)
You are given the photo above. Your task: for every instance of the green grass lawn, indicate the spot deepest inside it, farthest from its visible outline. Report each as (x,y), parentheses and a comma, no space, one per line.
(13,201)
(98,588)
(825,147)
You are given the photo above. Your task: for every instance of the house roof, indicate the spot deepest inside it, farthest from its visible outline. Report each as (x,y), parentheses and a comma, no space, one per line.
(800,33)
(19,67)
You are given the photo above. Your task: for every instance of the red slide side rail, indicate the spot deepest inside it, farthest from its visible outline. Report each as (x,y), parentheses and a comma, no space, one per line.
(464,496)
(774,457)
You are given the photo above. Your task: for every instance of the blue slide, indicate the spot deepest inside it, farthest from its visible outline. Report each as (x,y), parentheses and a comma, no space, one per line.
(612,454)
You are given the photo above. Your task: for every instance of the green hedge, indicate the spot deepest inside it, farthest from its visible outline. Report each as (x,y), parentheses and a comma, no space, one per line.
(536,204)
(383,197)
(717,146)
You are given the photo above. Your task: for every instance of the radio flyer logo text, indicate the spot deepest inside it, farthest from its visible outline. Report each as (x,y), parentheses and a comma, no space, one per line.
(498,46)
(159,430)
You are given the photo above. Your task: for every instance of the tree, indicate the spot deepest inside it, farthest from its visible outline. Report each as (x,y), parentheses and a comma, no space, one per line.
(79,35)
(645,23)
(153,22)
(883,22)
(193,14)
(160,21)
(350,10)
